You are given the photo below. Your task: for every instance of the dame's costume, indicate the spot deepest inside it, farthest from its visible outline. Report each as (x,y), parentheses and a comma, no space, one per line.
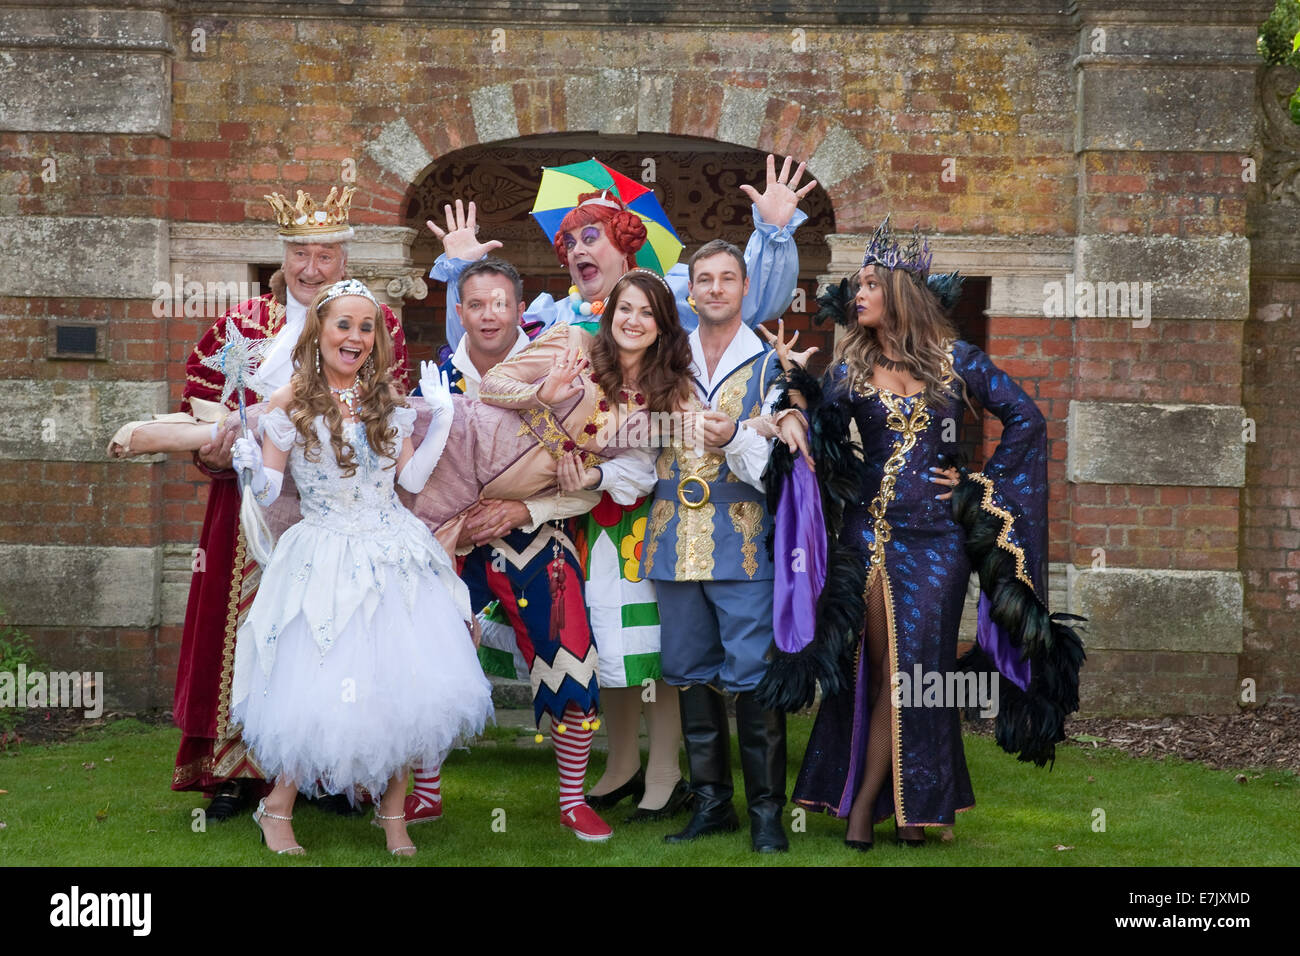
(882,522)
(354,659)
(211,750)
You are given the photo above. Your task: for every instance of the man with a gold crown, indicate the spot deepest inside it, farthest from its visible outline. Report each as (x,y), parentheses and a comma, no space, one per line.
(212,757)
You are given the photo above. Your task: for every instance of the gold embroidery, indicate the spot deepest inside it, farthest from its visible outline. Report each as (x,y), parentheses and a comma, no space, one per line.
(238,582)
(732,397)
(909,427)
(508,391)
(660,515)
(547,430)
(896,725)
(1004,536)
(746,519)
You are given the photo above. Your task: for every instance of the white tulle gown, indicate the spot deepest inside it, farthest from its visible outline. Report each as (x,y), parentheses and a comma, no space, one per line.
(355,661)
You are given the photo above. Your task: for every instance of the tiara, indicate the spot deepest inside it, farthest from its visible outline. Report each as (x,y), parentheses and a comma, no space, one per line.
(347,287)
(650,272)
(885,250)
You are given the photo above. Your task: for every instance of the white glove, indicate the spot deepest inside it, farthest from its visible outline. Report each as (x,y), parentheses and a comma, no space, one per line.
(436,390)
(246,456)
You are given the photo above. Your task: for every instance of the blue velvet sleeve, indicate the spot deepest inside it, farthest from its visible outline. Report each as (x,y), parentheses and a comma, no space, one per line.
(1015,476)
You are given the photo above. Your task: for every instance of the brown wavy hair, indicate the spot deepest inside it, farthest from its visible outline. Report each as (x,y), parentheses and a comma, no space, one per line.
(665,375)
(624,229)
(312,397)
(916,329)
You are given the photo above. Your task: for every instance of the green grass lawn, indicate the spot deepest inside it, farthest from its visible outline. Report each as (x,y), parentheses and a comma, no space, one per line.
(61,810)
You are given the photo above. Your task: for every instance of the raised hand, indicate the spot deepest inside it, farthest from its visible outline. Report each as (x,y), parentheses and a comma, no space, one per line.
(460,238)
(435,387)
(779,200)
(565,379)
(785,352)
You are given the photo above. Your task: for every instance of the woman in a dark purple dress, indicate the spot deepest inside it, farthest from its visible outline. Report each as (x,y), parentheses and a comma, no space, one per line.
(905,529)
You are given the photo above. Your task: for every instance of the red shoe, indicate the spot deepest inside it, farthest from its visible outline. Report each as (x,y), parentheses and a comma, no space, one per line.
(417,811)
(582,820)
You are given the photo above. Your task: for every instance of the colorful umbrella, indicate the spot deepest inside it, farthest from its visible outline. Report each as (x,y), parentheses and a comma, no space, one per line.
(562,185)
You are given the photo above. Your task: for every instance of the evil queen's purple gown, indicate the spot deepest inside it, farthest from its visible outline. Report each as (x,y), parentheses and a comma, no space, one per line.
(920,548)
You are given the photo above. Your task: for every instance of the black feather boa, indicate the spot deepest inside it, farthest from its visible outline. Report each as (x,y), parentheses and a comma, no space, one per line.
(1029,723)
(790,682)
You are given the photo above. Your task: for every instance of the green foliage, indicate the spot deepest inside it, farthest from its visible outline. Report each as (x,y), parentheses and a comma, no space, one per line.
(15,649)
(1279,44)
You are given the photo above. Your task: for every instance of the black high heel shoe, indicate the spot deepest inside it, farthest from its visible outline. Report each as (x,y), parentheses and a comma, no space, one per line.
(678,800)
(862,846)
(634,788)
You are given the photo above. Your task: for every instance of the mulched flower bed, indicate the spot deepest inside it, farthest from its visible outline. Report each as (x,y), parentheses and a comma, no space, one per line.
(1266,737)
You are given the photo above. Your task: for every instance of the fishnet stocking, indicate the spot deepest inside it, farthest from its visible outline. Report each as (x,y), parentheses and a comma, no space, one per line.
(879,738)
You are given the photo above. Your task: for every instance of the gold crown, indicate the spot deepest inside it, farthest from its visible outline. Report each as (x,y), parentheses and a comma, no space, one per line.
(304,221)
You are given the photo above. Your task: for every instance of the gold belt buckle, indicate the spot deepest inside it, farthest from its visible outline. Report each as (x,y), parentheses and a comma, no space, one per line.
(704,490)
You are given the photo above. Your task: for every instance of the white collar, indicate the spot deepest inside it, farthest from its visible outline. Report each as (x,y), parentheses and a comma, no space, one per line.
(743,346)
(277,368)
(461,360)
(295,312)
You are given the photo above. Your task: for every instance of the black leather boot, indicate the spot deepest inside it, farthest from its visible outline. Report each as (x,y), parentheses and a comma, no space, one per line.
(708,753)
(762,758)
(232,798)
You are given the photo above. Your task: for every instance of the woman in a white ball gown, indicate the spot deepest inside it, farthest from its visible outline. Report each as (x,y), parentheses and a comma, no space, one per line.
(356,658)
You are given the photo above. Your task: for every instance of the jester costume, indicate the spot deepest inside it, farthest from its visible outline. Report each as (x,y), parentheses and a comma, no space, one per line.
(517,580)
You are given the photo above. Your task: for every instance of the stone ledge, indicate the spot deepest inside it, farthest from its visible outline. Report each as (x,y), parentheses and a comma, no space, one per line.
(64,420)
(66,28)
(1188,278)
(79,585)
(1135,443)
(1142,107)
(81,257)
(86,91)
(177,571)
(1159,610)
(973,255)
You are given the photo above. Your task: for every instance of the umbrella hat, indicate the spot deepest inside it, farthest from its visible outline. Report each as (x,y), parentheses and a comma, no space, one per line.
(558,193)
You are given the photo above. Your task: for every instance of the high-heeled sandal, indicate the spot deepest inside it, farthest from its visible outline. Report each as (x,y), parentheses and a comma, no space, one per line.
(401,850)
(259,814)
(909,841)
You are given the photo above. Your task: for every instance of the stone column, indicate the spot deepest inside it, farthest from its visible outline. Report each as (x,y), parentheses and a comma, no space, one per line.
(83,238)
(1157,296)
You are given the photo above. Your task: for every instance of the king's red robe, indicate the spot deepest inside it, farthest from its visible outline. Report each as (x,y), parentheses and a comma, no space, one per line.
(221,593)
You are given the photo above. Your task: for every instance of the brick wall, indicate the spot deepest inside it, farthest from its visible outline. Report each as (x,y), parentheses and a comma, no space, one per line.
(1270,514)
(283,102)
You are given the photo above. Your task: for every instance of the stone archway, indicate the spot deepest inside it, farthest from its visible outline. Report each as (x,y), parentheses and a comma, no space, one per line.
(696,181)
